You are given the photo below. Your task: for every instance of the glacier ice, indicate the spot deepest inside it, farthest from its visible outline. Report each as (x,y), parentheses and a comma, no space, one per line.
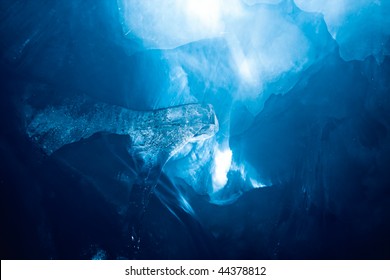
(301,92)
(260,46)
(222,164)
(154,135)
(243,66)
(250,50)
(171,23)
(361,28)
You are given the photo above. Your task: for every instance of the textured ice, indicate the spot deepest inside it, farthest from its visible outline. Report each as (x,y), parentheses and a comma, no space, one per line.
(155,135)
(243,52)
(251,49)
(182,21)
(301,91)
(360,27)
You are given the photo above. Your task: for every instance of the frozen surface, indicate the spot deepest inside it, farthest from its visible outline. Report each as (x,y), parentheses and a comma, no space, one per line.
(260,48)
(154,135)
(361,28)
(298,168)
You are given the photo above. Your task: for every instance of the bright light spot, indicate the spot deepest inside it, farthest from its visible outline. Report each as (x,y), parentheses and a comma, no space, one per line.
(246,71)
(171,23)
(257,184)
(222,163)
(205,12)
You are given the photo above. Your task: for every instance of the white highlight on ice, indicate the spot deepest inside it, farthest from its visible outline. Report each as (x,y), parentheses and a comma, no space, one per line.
(205,13)
(261,43)
(171,23)
(222,163)
(257,184)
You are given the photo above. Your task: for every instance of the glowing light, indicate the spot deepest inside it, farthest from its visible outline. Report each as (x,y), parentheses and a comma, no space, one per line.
(247,72)
(206,13)
(257,184)
(243,64)
(171,23)
(222,163)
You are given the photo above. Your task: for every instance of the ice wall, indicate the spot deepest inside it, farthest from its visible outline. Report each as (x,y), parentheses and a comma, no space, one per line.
(263,44)
(301,90)
(361,28)
(237,54)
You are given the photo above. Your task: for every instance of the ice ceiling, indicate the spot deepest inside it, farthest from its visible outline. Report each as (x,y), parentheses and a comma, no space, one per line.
(252,50)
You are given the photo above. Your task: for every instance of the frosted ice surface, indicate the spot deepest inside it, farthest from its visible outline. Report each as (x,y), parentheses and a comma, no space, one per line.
(261,45)
(171,23)
(154,135)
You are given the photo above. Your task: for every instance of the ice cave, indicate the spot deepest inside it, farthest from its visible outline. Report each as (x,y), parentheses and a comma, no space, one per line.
(195,129)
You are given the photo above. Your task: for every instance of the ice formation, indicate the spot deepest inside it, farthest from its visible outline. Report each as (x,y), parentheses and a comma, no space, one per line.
(155,136)
(259,43)
(301,92)
(361,28)
(243,52)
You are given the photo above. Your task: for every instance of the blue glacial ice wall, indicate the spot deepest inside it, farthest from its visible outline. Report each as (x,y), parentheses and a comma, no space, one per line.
(359,27)
(242,52)
(299,163)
